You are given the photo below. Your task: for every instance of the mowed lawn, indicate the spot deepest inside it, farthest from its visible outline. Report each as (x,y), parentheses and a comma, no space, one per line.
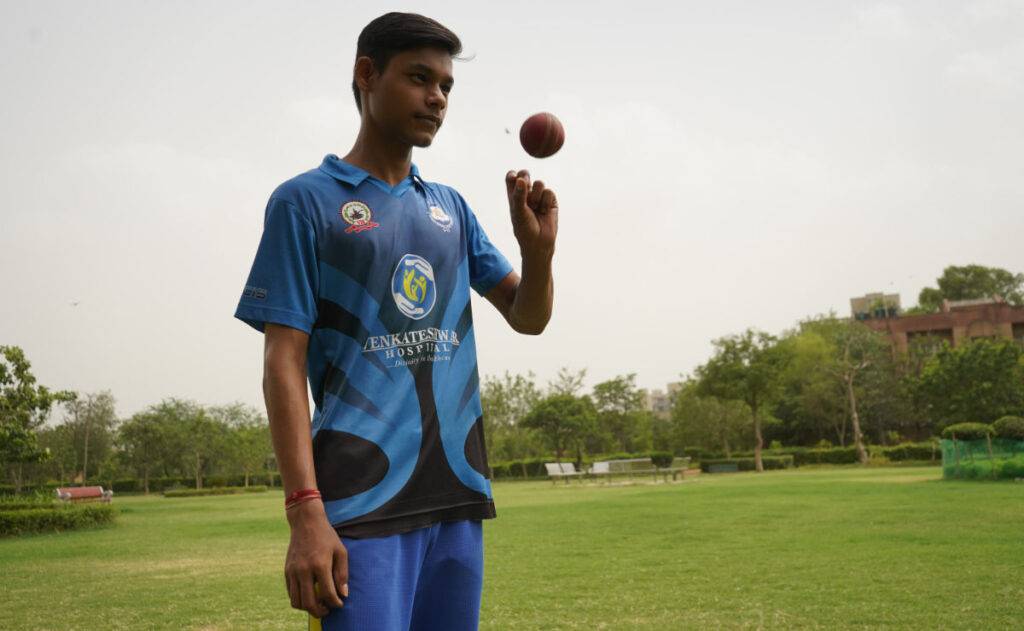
(822,548)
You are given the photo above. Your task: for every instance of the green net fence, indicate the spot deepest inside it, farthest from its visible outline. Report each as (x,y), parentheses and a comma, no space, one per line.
(999,459)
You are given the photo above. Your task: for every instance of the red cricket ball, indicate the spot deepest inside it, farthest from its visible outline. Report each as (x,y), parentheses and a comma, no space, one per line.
(542,135)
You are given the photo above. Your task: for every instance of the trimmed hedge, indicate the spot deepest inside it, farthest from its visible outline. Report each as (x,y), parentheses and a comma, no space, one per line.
(26,504)
(748,464)
(967,431)
(8,490)
(1009,469)
(55,519)
(215,490)
(1011,427)
(910,451)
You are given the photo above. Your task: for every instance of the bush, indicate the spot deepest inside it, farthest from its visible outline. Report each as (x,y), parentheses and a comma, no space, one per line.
(662,458)
(697,454)
(1011,469)
(1011,427)
(8,490)
(911,451)
(19,503)
(521,469)
(54,519)
(215,490)
(967,431)
(748,464)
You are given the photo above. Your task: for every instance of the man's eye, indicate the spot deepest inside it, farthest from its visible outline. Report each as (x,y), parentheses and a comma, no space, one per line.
(446,89)
(419,77)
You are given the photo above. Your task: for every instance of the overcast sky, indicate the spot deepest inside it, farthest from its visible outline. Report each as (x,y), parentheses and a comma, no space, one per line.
(727,164)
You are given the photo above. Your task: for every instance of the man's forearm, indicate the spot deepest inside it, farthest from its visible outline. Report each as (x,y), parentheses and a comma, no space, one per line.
(531,307)
(284,390)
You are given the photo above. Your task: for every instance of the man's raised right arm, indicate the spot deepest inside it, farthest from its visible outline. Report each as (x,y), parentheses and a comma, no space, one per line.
(316,568)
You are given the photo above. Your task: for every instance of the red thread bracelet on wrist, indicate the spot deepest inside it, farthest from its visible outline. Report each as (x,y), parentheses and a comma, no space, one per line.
(302,495)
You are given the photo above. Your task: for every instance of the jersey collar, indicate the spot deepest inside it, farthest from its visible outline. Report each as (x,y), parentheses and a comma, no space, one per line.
(353,175)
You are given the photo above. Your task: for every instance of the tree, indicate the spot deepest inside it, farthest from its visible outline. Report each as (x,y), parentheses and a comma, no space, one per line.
(855,349)
(978,382)
(748,368)
(973,281)
(190,439)
(139,440)
(90,421)
(506,401)
(24,407)
(563,420)
(811,403)
(707,422)
(567,381)
(247,437)
(621,415)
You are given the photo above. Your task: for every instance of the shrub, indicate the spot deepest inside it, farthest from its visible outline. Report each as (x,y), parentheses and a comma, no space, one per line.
(697,454)
(215,490)
(661,458)
(1011,468)
(521,469)
(1011,427)
(748,464)
(911,451)
(19,503)
(54,519)
(967,431)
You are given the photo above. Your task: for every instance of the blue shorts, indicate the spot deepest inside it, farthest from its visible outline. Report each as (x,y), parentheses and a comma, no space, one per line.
(422,580)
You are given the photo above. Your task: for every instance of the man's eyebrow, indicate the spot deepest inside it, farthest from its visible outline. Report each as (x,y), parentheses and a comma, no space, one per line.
(422,67)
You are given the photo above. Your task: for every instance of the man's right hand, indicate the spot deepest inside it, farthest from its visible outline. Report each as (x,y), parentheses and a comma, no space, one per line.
(316,568)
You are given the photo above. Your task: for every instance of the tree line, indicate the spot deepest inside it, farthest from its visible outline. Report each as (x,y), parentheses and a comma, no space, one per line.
(827,381)
(174,438)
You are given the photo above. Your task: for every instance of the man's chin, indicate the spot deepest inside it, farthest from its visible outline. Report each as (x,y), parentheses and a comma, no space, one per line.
(422,141)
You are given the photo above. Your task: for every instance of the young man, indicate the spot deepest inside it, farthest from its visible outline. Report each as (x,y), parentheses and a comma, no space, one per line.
(361,284)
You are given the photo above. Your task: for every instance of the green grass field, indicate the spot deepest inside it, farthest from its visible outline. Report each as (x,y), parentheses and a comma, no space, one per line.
(822,548)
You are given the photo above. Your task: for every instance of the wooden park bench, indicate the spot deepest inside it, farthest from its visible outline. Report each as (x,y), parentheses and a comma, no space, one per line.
(83,494)
(677,468)
(632,466)
(562,470)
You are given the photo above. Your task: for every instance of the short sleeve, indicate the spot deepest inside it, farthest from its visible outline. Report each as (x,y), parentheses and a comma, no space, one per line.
(283,283)
(487,265)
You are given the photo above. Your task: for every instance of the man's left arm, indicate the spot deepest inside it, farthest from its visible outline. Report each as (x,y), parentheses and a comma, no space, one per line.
(526,301)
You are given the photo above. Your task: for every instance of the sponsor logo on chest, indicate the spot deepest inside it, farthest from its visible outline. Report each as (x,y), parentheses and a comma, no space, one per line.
(358,216)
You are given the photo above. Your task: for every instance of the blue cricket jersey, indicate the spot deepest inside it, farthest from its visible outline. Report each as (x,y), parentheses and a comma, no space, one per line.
(379,278)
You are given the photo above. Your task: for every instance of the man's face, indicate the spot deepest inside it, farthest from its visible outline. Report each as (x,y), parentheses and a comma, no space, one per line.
(409,99)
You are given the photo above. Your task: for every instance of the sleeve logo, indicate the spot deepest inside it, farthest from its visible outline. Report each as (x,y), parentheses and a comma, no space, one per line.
(358,216)
(412,286)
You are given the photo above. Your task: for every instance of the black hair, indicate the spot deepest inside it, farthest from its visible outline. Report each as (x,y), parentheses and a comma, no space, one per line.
(393,33)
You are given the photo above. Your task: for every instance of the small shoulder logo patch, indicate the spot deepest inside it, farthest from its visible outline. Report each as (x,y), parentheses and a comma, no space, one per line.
(359,217)
(440,217)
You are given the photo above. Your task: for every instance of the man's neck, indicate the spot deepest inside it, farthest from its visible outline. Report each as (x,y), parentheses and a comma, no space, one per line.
(381,157)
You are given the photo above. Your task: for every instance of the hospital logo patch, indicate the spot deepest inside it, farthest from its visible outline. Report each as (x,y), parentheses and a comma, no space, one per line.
(440,217)
(412,286)
(358,216)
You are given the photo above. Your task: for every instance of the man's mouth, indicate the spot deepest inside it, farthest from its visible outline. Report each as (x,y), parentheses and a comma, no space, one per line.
(432,119)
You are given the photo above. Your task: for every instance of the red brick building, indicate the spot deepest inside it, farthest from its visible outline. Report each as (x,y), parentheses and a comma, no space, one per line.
(957,322)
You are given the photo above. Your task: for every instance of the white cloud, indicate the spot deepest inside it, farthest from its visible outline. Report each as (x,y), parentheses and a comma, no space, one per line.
(884,20)
(1003,69)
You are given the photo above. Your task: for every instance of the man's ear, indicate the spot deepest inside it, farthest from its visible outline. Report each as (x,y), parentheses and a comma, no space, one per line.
(364,74)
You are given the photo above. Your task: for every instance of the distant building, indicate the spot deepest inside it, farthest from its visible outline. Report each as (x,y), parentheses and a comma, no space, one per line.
(660,402)
(957,322)
(875,306)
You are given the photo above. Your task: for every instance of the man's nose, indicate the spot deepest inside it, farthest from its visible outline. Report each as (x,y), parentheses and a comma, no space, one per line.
(436,98)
